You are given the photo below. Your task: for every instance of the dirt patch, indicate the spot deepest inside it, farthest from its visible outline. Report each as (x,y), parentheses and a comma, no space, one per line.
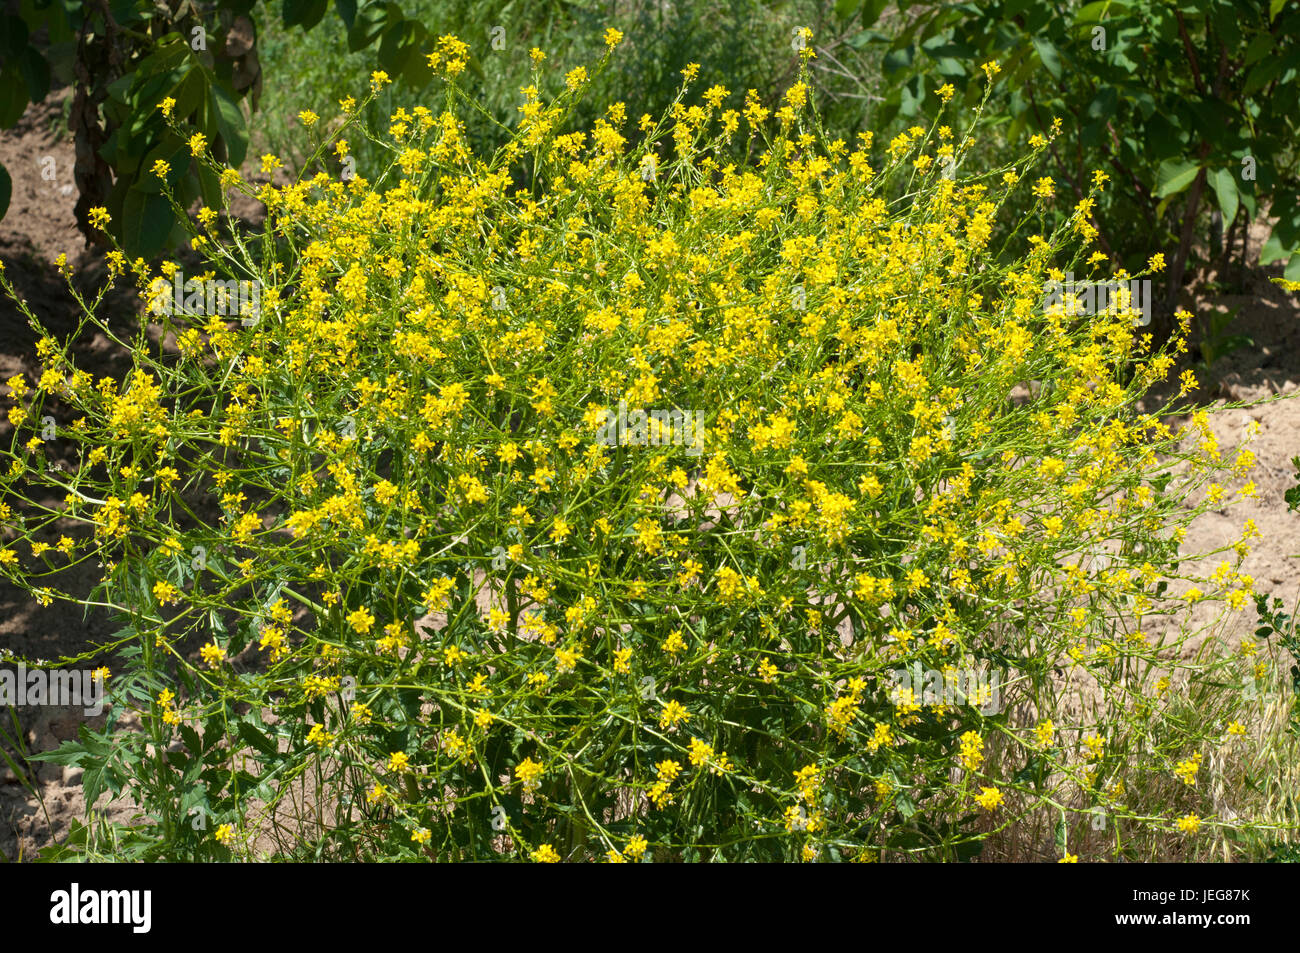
(1266,378)
(38,802)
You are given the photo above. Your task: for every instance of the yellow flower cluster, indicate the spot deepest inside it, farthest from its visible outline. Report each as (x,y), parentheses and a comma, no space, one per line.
(694,445)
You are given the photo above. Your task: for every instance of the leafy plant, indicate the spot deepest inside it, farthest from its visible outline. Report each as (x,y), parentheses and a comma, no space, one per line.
(1188,105)
(589,498)
(1216,341)
(125,58)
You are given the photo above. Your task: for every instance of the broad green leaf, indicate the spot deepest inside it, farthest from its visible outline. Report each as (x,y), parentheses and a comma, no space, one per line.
(1175,175)
(119,90)
(1104,104)
(1292,272)
(175,154)
(370,22)
(401,52)
(1258,48)
(188,90)
(1225,190)
(36,73)
(896,60)
(905,806)
(347,11)
(1286,206)
(1047,53)
(1273,250)
(1226,20)
(303,13)
(1263,73)
(13,36)
(13,95)
(257,739)
(1248,201)
(230,123)
(1093,12)
(127,12)
(146,221)
(62,58)
(210,189)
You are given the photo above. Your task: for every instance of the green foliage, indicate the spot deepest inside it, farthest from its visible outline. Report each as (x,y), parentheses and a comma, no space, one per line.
(125,58)
(742,44)
(138,52)
(1217,340)
(1186,105)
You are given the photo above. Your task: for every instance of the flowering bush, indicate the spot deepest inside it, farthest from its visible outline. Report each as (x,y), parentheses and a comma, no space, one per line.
(587,500)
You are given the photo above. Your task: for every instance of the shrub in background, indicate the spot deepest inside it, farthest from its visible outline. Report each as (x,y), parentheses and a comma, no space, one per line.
(1189,106)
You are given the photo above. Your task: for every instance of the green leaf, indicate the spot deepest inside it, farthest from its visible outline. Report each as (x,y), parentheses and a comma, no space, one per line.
(175,154)
(146,221)
(127,12)
(62,58)
(398,52)
(1226,20)
(13,95)
(92,784)
(1047,53)
(1093,12)
(1286,206)
(257,739)
(1292,272)
(194,797)
(188,91)
(1174,175)
(230,124)
(210,189)
(370,22)
(6,190)
(911,95)
(70,752)
(13,36)
(1225,190)
(1263,73)
(36,73)
(347,11)
(303,13)
(896,60)
(1258,48)
(1274,8)
(1104,104)
(1273,250)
